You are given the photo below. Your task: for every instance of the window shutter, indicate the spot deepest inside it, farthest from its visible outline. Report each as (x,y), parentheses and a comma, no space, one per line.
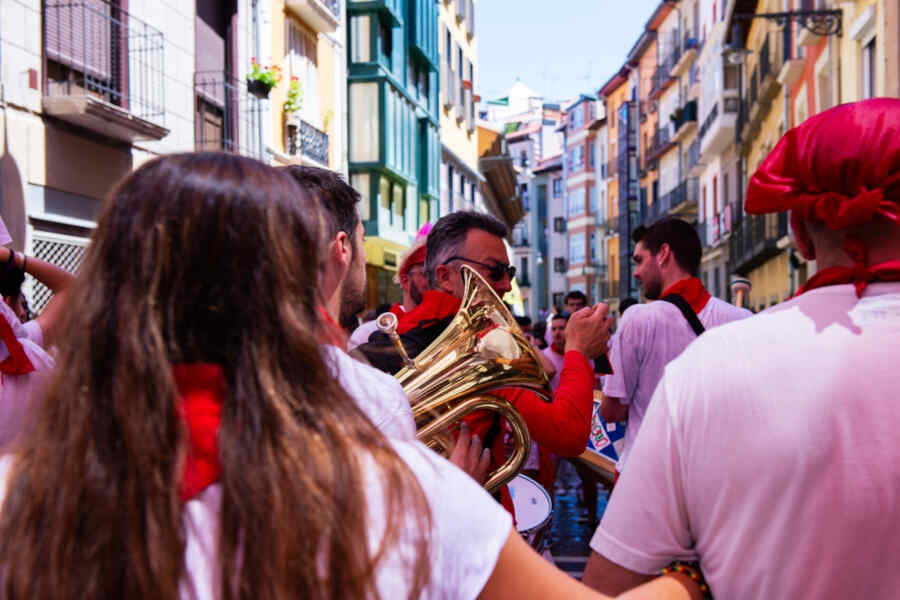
(78,34)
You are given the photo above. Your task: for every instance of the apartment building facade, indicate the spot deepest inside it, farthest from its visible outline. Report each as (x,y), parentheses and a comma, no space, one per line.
(458,52)
(307,39)
(393,129)
(93,88)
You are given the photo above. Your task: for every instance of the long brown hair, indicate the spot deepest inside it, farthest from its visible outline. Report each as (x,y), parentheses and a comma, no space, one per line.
(212,258)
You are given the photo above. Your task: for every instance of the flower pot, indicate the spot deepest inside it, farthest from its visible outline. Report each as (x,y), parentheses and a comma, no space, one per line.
(258,88)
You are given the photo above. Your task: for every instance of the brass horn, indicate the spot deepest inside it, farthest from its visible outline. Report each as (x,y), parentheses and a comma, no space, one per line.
(481,350)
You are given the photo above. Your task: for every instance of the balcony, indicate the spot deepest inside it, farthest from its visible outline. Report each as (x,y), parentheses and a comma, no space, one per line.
(660,143)
(104,70)
(775,65)
(755,240)
(684,122)
(717,131)
(695,165)
(689,50)
(308,142)
(469,108)
(661,81)
(680,200)
(322,16)
(227,116)
(714,231)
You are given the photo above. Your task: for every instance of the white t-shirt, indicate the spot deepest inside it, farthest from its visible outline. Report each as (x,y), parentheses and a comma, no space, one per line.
(649,337)
(469,530)
(378,394)
(18,392)
(770,452)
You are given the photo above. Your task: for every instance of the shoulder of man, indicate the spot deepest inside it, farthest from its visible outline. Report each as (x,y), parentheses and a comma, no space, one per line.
(382,354)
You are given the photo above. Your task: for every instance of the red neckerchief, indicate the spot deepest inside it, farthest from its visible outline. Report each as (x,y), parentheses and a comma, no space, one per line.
(334,333)
(860,276)
(691,290)
(556,348)
(435,305)
(398,310)
(201,390)
(17,363)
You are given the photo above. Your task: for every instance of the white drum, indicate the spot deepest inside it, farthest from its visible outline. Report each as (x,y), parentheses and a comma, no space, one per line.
(533,509)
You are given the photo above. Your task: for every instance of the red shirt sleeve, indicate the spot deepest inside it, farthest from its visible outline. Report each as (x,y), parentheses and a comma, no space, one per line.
(564,425)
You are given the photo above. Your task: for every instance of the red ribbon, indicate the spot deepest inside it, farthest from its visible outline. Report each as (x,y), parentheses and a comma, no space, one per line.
(201,390)
(17,363)
(860,276)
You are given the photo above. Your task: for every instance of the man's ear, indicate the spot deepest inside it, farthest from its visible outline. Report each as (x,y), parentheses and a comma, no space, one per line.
(664,255)
(342,248)
(443,274)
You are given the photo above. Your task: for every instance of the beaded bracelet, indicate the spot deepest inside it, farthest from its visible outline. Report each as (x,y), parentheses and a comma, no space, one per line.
(692,570)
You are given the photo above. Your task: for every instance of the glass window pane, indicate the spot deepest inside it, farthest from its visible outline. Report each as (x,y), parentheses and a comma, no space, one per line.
(360,182)
(360,50)
(364,122)
(384,201)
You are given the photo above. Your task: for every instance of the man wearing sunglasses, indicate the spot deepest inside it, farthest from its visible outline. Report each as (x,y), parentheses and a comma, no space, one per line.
(476,239)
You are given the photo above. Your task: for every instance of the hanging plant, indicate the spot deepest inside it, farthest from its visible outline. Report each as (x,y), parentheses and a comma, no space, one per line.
(261,80)
(294,101)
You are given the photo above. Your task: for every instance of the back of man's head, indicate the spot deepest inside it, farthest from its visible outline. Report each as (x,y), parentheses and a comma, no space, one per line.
(680,236)
(338,198)
(449,234)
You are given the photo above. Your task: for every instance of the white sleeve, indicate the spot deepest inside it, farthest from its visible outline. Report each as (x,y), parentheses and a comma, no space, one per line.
(361,335)
(34,332)
(645,526)
(624,356)
(469,528)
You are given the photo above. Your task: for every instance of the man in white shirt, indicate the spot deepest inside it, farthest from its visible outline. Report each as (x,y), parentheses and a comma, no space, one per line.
(343,283)
(769,452)
(667,255)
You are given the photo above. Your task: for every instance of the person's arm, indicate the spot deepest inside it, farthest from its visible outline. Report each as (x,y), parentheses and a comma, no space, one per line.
(56,279)
(612,409)
(521,574)
(606,576)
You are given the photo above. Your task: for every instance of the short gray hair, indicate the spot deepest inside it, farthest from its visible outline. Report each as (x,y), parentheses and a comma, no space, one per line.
(449,234)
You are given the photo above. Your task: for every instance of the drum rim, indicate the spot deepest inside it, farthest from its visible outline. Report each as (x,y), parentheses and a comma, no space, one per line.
(549,502)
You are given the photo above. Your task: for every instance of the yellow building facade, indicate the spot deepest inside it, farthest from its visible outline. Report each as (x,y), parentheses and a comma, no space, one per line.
(307,45)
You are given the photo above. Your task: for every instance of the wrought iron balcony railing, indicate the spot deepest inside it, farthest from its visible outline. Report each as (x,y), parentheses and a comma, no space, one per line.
(308,141)
(228,117)
(110,62)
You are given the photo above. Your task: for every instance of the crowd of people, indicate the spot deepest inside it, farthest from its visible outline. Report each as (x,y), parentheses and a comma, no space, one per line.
(189,416)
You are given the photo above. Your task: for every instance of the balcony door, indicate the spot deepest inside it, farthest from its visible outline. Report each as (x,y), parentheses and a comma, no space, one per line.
(302,62)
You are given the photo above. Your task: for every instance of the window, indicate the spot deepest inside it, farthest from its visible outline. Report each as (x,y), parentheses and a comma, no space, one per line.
(576,249)
(526,203)
(523,277)
(558,298)
(360,182)
(472,188)
(559,266)
(523,158)
(559,224)
(449,188)
(302,63)
(557,188)
(360,50)
(593,246)
(591,155)
(386,43)
(576,202)
(364,122)
(592,200)
(868,70)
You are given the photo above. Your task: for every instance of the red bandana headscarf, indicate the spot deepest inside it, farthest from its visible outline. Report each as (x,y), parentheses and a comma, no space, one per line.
(841,167)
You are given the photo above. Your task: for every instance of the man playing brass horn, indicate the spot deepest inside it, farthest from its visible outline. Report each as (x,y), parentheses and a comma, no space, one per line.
(476,240)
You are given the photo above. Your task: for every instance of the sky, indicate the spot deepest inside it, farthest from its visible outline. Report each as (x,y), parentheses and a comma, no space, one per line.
(559,48)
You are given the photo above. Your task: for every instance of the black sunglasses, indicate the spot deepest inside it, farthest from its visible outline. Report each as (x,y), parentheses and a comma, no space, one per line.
(496,271)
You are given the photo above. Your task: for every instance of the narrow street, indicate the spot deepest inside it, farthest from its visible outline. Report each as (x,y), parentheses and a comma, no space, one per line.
(570,530)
